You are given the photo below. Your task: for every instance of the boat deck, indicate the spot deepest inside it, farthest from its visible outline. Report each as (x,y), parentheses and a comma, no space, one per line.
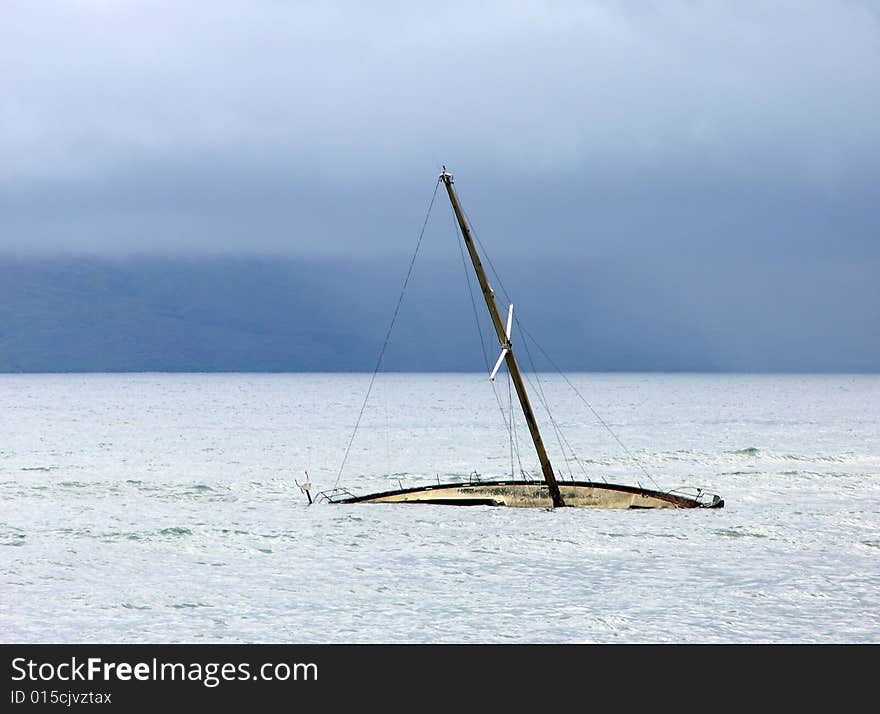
(535,494)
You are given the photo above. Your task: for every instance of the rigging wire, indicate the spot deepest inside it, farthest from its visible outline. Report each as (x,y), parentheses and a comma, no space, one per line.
(513,429)
(632,456)
(546,404)
(467,277)
(590,407)
(540,390)
(409,272)
(510,407)
(508,425)
(514,438)
(542,399)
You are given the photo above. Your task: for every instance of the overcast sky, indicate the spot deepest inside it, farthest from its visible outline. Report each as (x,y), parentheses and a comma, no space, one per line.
(157,126)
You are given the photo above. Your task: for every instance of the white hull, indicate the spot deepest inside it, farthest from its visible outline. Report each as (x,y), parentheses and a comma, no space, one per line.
(535,494)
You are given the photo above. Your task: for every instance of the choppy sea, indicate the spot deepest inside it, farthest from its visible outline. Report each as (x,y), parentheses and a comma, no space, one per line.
(165,508)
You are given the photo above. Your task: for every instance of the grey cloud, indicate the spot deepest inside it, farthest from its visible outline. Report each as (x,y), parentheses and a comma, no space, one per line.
(723,150)
(340,90)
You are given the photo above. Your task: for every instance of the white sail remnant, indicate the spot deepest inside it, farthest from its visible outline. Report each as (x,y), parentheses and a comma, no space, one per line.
(505,350)
(498,364)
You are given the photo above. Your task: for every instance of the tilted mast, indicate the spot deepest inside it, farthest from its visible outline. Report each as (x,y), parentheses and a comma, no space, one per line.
(504,340)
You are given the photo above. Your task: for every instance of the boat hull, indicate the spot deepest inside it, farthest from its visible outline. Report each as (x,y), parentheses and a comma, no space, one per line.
(535,494)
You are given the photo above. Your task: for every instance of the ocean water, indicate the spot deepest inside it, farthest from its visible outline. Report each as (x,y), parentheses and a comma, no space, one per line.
(164,508)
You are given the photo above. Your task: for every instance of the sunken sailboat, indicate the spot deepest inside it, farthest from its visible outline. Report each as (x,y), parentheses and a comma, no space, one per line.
(548,492)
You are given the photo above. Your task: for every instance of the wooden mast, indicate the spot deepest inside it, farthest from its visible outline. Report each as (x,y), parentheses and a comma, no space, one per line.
(504,340)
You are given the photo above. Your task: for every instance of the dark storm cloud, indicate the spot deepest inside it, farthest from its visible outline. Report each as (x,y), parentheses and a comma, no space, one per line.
(700,180)
(157,126)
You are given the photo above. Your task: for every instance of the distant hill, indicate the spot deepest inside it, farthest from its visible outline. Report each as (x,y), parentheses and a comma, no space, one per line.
(258,314)
(175,315)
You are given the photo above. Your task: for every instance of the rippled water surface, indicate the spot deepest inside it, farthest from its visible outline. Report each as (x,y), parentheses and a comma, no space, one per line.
(164,508)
